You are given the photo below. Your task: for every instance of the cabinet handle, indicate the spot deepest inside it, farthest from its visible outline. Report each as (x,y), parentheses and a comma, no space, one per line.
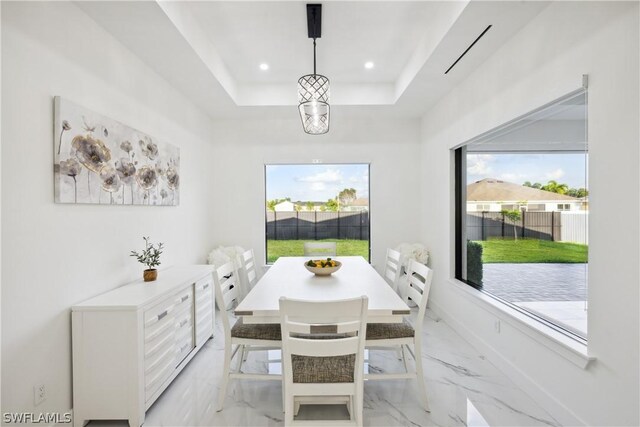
(184,298)
(206,286)
(163,314)
(184,322)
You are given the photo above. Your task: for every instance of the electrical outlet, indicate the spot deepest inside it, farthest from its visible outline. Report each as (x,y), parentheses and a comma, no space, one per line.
(39,394)
(496,326)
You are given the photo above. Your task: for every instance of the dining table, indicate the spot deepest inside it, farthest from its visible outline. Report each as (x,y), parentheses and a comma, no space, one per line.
(289,278)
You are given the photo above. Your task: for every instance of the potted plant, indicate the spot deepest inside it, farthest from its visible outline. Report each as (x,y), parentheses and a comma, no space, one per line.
(150,257)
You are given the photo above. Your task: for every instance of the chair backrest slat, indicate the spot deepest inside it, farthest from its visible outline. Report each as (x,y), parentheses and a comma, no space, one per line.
(229,295)
(392,268)
(225,279)
(414,295)
(249,269)
(324,347)
(416,281)
(341,327)
(419,284)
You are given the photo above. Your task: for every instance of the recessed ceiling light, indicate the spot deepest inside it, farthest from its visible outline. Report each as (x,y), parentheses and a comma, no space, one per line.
(264,66)
(368,65)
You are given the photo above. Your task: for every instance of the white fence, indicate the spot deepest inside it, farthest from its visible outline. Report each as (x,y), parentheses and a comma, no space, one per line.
(574,227)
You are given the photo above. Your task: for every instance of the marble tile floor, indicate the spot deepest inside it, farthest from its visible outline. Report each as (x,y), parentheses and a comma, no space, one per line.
(464,389)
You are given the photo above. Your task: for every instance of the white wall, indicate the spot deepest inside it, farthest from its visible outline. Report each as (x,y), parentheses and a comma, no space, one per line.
(56,255)
(244,147)
(542,62)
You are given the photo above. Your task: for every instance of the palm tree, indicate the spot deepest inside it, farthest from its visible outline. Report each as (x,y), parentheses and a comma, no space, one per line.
(555,187)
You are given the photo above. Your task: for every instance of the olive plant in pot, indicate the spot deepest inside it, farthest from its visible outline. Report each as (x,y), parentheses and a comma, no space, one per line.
(149,256)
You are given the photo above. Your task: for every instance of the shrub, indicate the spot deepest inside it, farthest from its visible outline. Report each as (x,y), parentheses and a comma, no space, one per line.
(474,262)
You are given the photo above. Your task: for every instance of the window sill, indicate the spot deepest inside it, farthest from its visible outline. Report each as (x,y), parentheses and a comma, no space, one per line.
(560,343)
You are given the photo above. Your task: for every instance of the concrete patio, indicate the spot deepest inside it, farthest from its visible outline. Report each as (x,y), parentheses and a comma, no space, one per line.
(556,292)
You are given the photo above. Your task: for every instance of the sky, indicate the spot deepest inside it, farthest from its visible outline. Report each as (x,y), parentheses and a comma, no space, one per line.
(517,168)
(315,182)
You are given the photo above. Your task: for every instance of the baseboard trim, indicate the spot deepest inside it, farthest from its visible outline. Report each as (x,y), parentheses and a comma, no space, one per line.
(559,411)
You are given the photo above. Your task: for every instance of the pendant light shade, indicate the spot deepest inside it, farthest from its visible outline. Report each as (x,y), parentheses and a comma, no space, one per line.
(313,89)
(313,100)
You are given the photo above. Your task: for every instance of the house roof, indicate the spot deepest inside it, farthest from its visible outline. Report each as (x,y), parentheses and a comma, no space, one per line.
(360,202)
(314,203)
(491,189)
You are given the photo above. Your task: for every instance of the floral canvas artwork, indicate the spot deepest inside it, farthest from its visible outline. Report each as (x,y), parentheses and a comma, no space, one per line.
(100,160)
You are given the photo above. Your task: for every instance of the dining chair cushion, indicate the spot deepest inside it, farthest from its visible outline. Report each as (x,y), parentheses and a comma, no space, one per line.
(260,331)
(334,369)
(385,331)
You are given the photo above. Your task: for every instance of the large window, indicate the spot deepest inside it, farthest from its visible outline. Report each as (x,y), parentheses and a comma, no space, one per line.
(522,211)
(316,202)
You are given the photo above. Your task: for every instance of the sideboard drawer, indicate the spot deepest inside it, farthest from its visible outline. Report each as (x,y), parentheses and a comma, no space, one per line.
(205,310)
(160,373)
(184,299)
(203,289)
(158,313)
(184,347)
(157,345)
(204,329)
(155,361)
(158,330)
(183,321)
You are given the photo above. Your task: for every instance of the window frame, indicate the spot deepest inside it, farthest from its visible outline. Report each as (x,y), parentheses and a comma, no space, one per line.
(313,163)
(459,229)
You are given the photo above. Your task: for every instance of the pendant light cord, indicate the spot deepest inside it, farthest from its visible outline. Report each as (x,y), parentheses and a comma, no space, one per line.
(314,56)
(315,32)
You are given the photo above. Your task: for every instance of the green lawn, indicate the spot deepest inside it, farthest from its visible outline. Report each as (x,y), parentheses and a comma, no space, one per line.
(532,251)
(278,248)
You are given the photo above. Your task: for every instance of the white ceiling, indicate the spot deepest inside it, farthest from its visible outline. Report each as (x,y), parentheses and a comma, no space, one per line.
(211,51)
(248,33)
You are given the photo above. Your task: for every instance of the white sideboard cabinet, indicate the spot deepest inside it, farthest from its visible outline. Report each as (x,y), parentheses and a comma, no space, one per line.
(131,342)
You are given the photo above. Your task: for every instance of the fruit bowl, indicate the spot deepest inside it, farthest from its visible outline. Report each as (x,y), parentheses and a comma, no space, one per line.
(323,267)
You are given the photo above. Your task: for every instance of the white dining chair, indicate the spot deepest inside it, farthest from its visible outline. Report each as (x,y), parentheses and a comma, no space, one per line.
(249,271)
(245,337)
(322,355)
(393,335)
(392,268)
(324,249)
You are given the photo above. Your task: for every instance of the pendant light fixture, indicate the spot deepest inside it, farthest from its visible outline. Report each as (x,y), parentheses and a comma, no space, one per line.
(313,89)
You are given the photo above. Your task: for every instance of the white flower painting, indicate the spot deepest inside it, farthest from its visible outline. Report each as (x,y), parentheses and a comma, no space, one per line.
(101,161)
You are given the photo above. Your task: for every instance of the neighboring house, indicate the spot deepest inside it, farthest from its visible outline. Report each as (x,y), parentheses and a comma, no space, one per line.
(359,205)
(494,195)
(316,206)
(285,206)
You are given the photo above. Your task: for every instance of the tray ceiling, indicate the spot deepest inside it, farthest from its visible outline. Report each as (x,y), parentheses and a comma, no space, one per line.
(211,51)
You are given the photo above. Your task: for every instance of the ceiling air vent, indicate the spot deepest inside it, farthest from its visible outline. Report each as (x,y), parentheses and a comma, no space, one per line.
(468,49)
